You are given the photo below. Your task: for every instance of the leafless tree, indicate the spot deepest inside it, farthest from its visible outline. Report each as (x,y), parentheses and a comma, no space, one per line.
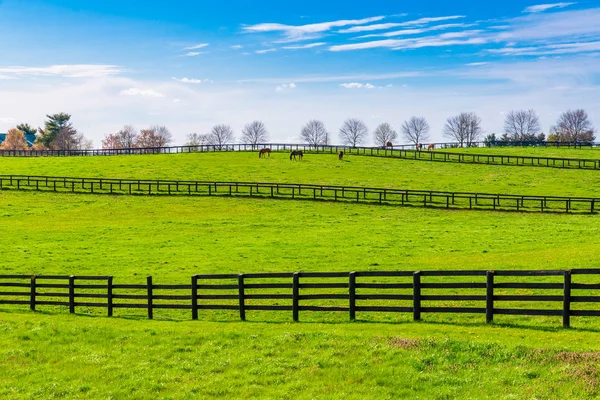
(521,125)
(126,137)
(314,133)
(163,136)
(353,132)
(255,133)
(416,130)
(465,128)
(221,135)
(68,139)
(384,134)
(195,139)
(574,126)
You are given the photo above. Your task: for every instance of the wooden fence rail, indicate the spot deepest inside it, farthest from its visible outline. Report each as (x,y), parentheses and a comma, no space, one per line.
(403,152)
(403,197)
(551,293)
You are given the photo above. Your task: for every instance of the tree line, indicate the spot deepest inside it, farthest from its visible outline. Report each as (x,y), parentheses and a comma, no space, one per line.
(58,134)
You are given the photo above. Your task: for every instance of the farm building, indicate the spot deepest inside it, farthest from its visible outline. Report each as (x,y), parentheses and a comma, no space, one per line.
(29,137)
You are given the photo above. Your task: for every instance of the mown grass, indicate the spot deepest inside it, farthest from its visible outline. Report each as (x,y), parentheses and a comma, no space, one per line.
(319,169)
(533,151)
(49,356)
(87,356)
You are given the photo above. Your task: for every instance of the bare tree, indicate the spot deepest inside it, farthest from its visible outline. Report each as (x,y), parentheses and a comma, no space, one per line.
(353,132)
(163,136)
(574,126)
(255,133)
(195,139)
(127,137)
(314,133)
(384,134)
(416,130)
(521,125)
(465,128)
(68,139)
(221,135)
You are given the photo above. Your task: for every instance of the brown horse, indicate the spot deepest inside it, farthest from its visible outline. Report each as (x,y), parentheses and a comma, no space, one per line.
(341,156)
(430,147)
(389,144)
(295,153)
(263,152)
(419,146)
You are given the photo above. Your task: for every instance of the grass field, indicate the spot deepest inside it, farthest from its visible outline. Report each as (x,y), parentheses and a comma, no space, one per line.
(319,169)
(592,153)
(51,354)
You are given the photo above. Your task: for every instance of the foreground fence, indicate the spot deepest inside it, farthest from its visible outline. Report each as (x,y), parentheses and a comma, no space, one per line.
(402,197)
(490,293)
(404,152)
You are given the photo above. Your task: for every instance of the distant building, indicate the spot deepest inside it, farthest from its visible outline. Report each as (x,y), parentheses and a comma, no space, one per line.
(30,138)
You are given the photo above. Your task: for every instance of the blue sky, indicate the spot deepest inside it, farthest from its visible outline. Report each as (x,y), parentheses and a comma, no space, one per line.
(192,64)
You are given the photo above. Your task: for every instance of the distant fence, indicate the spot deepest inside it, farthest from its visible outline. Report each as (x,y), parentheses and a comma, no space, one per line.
(417,293)
(403,197)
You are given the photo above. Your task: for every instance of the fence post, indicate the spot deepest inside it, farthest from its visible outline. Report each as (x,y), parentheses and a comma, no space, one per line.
(489,297)
(567,300)
(150,306)
(72,294)
(352,295)
(241,297)
(32,296)
(417,296)
(109,296)
(195,297)
(295,295)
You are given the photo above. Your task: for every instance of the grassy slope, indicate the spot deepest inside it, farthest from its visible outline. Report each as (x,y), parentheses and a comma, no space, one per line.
(325,169)
(560,152)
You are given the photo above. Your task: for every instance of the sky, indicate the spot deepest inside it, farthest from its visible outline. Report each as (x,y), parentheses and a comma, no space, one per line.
(190,65)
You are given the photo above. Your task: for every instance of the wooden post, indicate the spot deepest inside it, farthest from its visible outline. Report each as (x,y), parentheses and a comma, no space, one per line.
(109,294)
(352,295)
(417,296)
(150,306)
(72,294)
(195,297)
(32,296)
(295,295)
(241,297)
(489,297)
(567,300)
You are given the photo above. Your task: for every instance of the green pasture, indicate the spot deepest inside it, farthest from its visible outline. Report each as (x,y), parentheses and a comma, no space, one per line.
(50,354)
(319,169)
(592,153)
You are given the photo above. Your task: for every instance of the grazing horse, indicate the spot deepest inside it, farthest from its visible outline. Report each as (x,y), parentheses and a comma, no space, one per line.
(389,144)
(419,146)
(263,152)
(341,156)
(430,147)
(295,153)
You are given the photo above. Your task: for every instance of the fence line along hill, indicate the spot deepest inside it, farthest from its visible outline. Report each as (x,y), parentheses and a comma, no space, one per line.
(413,292)
(407,152)
(398,197)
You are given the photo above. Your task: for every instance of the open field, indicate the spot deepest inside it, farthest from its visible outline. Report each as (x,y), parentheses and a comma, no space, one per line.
(532,151)
(319,169)
(54,355)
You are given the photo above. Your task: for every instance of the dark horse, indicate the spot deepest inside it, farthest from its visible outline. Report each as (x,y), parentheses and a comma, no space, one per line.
(389,144)
(263,152)
(341,156)
(419,146)
(295,153)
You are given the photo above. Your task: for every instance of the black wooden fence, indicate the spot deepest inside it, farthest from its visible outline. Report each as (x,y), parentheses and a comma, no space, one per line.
(487,292)
(403,197)
(403,152)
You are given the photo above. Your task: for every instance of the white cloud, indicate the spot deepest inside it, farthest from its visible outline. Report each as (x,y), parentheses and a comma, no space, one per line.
(67,70)
(544,7)
(265,51)
(423,21)
(176,100)
(408,32)
(7,120)
(305,46)
(477,64)
(303,32)
(336,78)
(141,92)
(369,28)
(285,86)
(237,47)
(188,80)
(417,22)
(196,46)
(564,48)
(356,85)
(192,54)
(446,39)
